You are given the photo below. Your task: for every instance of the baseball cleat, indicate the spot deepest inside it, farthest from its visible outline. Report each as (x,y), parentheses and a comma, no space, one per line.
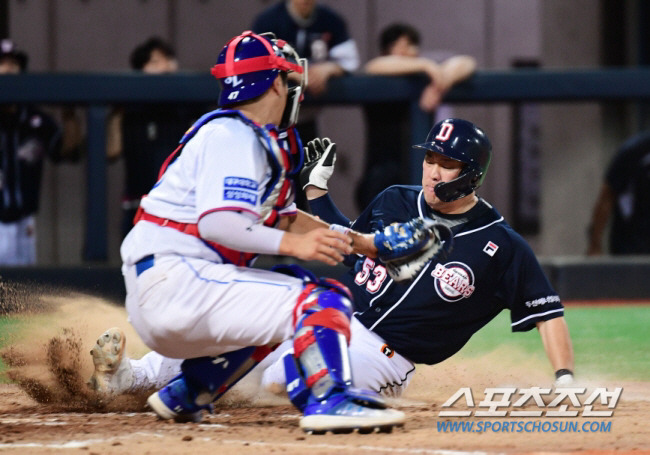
(176,401)
(113,373)
(344,414)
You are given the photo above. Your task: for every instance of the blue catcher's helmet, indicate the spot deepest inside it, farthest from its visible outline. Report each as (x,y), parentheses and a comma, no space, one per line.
(464,142)
(249,63)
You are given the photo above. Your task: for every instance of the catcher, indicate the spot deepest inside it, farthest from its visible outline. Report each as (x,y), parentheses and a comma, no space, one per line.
(422,309)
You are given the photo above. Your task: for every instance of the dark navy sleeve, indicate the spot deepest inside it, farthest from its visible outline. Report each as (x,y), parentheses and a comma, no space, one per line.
(526,291)
(391,205)
(325,209)
(396,204)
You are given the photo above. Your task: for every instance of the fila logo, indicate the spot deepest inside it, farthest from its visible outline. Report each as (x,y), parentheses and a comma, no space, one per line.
(490,248)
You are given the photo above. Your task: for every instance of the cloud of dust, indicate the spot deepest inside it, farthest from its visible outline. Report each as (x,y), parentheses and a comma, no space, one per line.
(503,367)
(49,355)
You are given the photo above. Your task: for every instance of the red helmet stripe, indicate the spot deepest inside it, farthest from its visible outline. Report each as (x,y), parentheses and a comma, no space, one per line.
(251,65)
(230,53)
(231,68)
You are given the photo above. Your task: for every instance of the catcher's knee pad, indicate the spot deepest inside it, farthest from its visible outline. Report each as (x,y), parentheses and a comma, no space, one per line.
(321,338)
(214,376)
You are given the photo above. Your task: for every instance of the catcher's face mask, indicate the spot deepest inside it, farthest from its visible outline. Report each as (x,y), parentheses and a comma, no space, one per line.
(296,92)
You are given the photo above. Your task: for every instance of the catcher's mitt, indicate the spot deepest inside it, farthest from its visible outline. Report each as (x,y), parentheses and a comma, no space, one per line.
(406,248)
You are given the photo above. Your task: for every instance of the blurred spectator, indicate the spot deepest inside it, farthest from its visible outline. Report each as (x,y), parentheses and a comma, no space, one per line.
(27,136)
(146,134)
(318,34)
(387,127)
(625,193)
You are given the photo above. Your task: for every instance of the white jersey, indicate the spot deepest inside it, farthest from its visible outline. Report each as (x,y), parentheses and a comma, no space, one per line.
(239,180)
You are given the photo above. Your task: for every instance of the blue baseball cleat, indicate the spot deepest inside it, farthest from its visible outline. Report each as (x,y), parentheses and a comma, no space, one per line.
(350,410)
(177,400)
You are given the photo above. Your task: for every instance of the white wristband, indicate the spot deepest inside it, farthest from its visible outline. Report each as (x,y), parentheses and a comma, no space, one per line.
(339,228)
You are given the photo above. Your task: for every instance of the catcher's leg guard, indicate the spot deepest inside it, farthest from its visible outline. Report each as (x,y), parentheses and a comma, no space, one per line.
(203,380)
(321,338)
(297,388)
(322,366)
(214,376)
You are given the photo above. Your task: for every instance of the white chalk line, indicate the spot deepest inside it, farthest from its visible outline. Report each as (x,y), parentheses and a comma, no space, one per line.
(308,445)
(76,444)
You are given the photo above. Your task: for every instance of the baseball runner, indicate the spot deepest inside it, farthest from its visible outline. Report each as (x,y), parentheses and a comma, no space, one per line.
(419,309)
(426,313)
(222,198)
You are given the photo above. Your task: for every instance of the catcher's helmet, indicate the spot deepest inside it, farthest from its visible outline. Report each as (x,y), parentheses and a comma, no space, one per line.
(248,65)
(464,142)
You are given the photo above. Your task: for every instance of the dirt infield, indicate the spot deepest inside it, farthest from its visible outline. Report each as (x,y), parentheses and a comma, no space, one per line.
(48,409)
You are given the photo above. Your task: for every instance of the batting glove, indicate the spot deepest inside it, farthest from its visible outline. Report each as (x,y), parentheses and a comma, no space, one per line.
(320,156)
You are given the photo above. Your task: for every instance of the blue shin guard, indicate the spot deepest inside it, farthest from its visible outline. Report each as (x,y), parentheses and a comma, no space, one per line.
(321,342)
(214,376)
(297,388)
(319,377)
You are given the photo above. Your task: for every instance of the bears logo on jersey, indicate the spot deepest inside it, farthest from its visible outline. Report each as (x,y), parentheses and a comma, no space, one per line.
(454,281)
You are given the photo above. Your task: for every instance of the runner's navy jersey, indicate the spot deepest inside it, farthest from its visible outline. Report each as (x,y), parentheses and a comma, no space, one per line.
(490,268)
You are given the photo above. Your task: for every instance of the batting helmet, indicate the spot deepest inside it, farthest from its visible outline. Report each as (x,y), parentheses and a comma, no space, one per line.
(249,63)
(464,142)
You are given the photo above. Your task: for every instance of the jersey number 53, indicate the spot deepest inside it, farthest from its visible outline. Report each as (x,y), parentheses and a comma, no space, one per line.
(372,275)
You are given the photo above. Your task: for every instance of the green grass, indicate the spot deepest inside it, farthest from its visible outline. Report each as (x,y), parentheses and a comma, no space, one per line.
(608,341)
(9,327)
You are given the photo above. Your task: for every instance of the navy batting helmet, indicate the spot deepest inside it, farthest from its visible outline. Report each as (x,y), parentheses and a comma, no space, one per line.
(249,63)
(464,142)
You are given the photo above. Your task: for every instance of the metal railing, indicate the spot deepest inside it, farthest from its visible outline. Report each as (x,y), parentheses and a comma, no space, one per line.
(100,90)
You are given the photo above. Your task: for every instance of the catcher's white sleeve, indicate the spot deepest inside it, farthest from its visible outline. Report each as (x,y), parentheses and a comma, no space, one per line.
(239,231)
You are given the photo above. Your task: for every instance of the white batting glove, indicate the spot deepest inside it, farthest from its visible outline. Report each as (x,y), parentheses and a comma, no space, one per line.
(320,156)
